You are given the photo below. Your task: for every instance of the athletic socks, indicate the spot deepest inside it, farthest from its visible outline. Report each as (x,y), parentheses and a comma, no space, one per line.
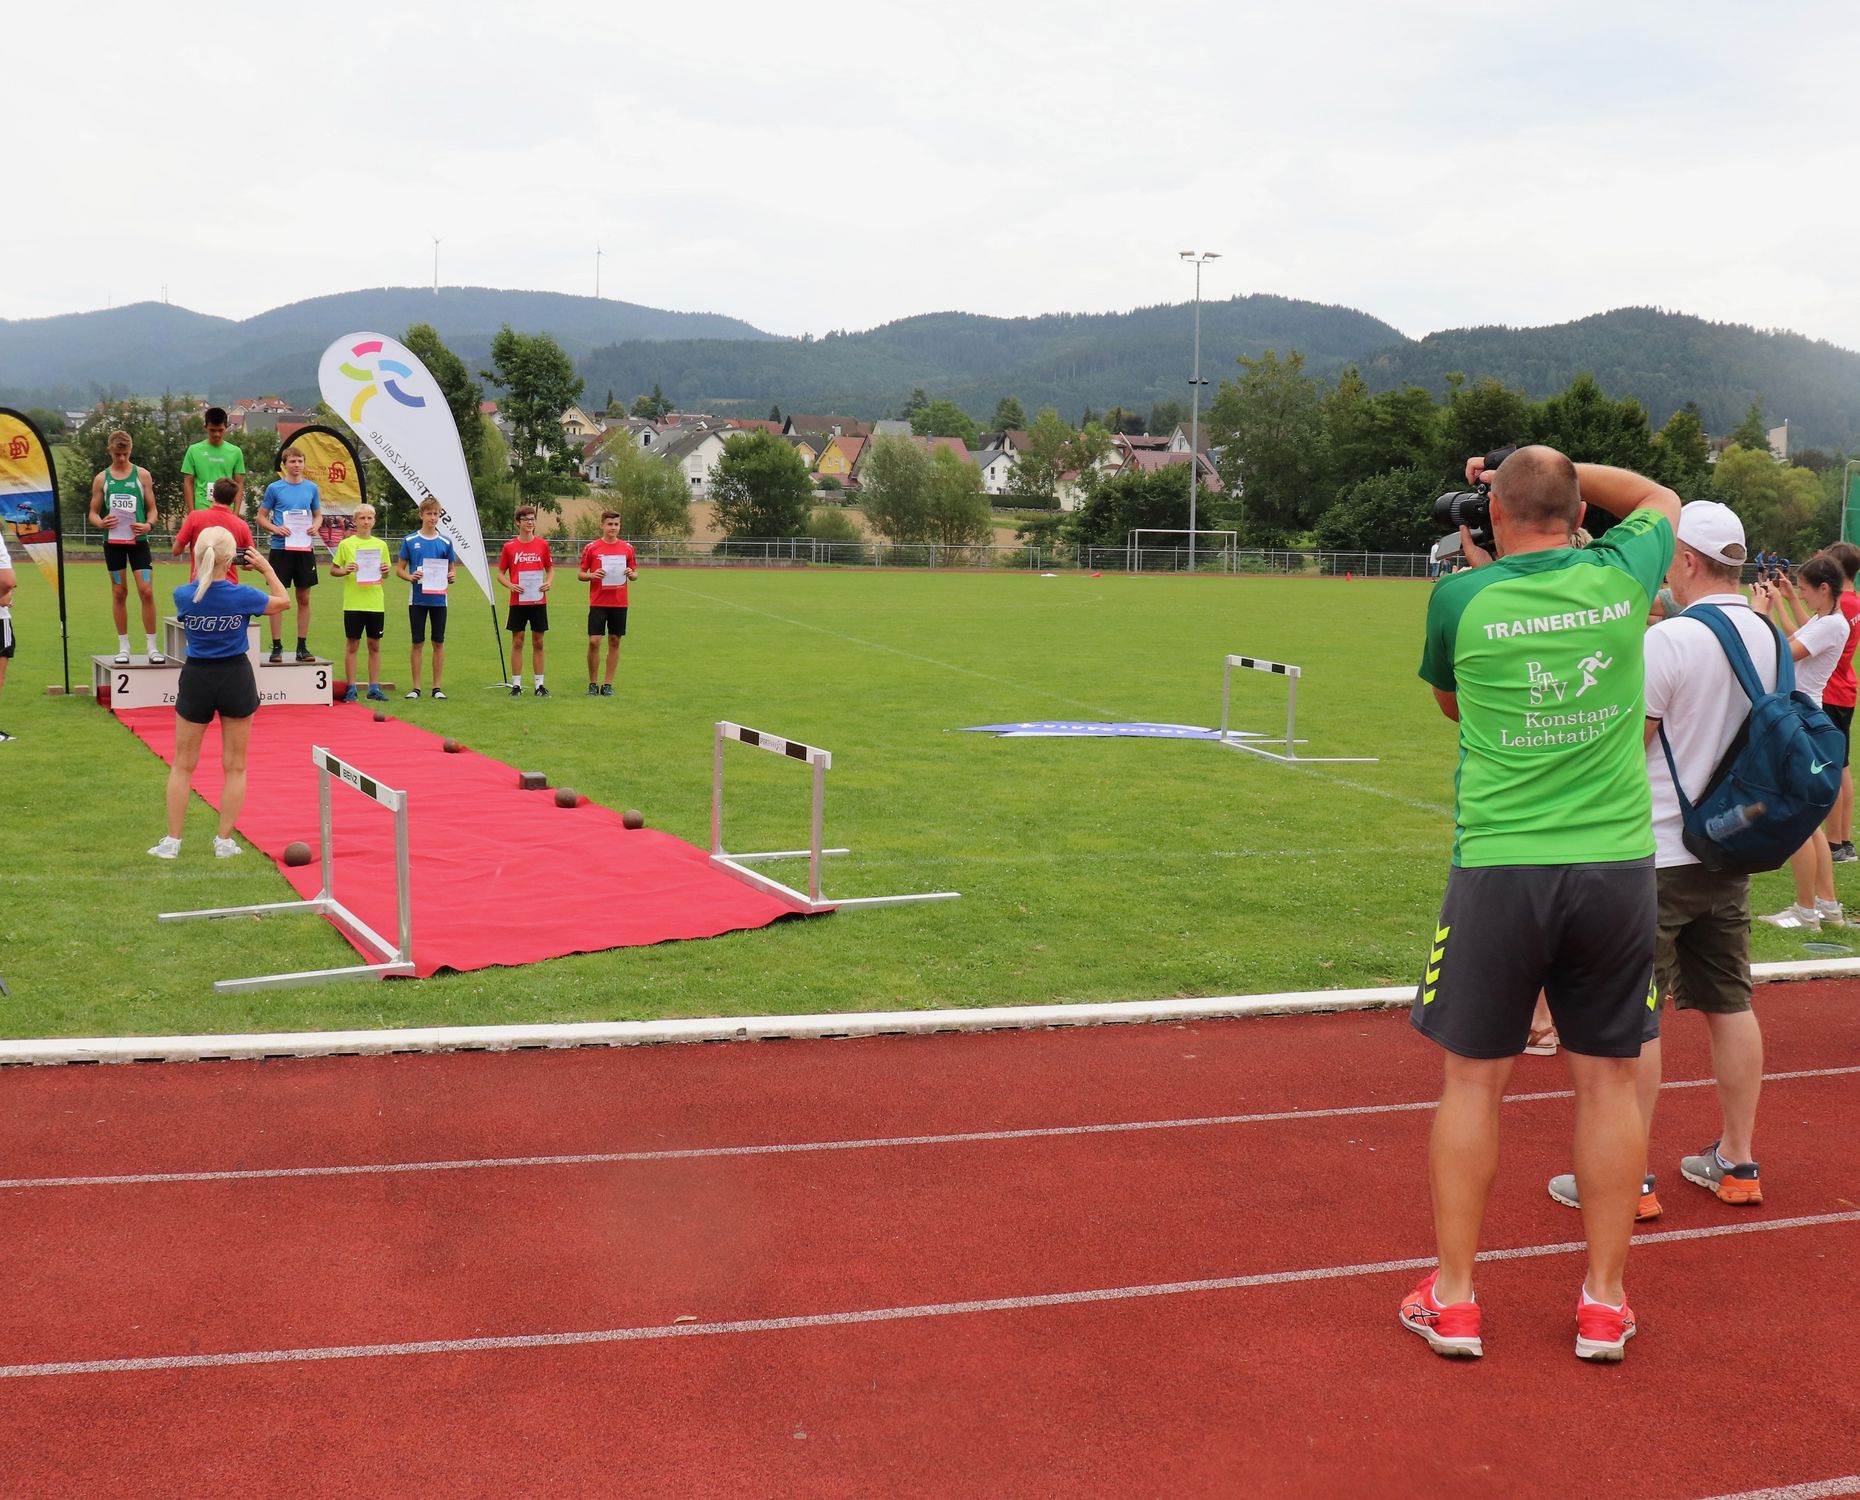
(153,648)
(1589,1301)
(539,679)
(122,644)
(303,643)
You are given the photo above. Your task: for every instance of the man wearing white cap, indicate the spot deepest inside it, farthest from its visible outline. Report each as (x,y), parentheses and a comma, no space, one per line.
(1702,952)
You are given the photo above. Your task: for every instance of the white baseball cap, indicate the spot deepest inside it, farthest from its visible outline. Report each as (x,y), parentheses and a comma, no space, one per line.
(1714,529)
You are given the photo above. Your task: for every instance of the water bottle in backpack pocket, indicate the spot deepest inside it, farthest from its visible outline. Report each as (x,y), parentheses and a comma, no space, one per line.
(1778,778)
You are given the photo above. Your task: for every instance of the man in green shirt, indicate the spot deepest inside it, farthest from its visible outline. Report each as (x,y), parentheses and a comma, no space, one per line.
(213,459)
(1536,654)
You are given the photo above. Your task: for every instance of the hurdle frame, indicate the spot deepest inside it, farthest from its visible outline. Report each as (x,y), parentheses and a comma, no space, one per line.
(1291,674)
(398,956)
(819,762)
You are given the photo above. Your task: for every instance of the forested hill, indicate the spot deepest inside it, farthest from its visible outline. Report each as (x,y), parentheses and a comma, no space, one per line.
(1065,360)
(149,347)
(1664,359)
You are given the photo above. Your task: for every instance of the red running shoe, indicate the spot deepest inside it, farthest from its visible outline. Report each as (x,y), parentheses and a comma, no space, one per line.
(1601,1332)
(1452,1330)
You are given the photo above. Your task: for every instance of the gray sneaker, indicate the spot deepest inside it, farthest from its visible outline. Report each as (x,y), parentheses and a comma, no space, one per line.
(1843,853)
(1563,1189)
(1731,1182)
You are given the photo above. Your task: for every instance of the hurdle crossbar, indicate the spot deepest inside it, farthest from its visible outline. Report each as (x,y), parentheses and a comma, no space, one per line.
(820,761)
(397,957)
(1291,742)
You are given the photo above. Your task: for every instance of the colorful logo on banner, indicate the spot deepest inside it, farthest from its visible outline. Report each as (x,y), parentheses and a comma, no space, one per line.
(415,438)
(384,373)
(28,493)
(1073,729)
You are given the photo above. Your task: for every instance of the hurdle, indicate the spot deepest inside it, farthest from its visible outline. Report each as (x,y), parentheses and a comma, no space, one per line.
(821,761)
(1291,674)
(398,957)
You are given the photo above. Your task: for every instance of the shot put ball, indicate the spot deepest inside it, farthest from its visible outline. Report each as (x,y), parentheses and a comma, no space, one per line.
(297,853)
(452,747)
(565,796)
(380,717)
(633,818)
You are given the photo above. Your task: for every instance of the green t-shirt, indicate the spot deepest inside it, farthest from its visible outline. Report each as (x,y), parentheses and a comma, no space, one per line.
(1544,651)
(371,597)
(207,463)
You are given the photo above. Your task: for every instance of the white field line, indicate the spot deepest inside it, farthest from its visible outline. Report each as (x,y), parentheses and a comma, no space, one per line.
(1815,1489)
(865,1315)
(799,1148)
(752,1028)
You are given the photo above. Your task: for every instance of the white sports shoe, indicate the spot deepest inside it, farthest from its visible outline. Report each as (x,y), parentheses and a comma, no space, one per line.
(1807,918)
(1830,912)
(168,848)
(226,848)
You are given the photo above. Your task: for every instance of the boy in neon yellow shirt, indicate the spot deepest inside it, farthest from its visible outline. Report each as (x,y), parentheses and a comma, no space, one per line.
(362,562)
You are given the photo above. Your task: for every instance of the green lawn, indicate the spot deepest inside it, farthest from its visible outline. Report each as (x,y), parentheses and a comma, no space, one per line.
(1089,870)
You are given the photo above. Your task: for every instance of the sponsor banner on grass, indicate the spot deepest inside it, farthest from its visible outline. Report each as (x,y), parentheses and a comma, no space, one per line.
(1076,729)
(396,408)
(29,505)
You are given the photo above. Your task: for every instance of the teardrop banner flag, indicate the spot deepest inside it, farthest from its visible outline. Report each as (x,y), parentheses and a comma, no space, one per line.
(331,464)
(396,408)
(29,507)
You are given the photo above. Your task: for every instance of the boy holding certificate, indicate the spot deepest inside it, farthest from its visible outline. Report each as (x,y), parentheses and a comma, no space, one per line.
(528,571)
(361,562)
(606,565)
(290,511)
(428,562)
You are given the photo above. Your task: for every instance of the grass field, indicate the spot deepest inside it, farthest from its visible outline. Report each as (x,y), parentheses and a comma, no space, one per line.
(1089,869)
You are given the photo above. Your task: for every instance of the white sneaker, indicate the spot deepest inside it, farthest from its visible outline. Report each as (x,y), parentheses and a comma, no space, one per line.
(1807,918)
(168,848)
(1830,913)
(226,848)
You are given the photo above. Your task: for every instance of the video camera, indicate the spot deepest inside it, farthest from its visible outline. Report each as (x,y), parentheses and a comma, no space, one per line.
(1469,508)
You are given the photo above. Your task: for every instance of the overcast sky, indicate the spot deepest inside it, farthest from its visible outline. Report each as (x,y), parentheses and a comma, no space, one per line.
(820,164)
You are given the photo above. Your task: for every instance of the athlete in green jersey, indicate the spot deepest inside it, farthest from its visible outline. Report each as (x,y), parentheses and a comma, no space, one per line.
(214,459)
(121,506)
(1536,654)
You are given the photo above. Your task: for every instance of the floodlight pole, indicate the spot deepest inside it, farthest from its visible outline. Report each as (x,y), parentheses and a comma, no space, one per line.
(1198,260)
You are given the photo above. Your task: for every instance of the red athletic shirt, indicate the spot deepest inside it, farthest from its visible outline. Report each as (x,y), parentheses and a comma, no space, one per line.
(1841,687)
(218,515)
(599,596)
(520,557)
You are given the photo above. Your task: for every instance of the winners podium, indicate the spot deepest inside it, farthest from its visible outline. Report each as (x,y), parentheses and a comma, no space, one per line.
(145,684)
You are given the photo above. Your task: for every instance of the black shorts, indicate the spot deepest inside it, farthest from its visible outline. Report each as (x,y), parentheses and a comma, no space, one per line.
(528,617)
(357,621)
(216,684)
(118,556)
(7,637)
(295,570)
(606,619)
(419,614)
(1843,719)
(1583,934)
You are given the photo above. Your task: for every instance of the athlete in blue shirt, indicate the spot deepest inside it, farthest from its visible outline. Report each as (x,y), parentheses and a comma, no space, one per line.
(293,496)
(216,678)
(423,546)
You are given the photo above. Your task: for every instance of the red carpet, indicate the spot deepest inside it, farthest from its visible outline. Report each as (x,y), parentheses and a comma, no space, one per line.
(488,859)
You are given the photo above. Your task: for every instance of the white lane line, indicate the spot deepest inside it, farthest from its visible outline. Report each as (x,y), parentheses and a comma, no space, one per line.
(793,1148)
(864,1315)
(1817,1489)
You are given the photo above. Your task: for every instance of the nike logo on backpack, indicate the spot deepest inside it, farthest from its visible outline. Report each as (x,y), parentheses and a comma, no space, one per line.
(1819,766)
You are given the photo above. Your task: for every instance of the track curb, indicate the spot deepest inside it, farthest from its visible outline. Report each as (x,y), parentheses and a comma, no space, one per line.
(260,1045)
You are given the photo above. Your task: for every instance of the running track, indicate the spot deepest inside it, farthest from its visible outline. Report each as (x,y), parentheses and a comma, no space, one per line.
(586,1273)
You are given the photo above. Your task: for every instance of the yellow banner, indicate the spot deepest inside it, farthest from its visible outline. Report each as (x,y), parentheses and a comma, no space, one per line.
(331,465)
(28,493)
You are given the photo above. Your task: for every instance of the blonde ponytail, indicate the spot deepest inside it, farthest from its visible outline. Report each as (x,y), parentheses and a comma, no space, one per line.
(213,553)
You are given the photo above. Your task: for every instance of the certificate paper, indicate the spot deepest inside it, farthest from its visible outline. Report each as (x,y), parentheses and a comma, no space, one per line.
(529,586)
(297,531)
(368,567)
(122,518)
(433,575)
(613,571)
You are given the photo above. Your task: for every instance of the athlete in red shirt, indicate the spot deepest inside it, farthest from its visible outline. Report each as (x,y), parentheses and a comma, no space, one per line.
(219,513)
(1838,699)
(525,556)
(606,601)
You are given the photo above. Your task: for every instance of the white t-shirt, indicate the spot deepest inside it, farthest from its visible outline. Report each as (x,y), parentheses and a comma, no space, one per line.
(1693,692)
(1825,636)
(5,562)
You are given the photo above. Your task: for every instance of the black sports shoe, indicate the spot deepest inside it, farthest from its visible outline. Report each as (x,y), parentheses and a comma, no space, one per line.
(5,737)
(542,692)
(305,656)
(607,690)
(594,690)
(277,654)
(516,690)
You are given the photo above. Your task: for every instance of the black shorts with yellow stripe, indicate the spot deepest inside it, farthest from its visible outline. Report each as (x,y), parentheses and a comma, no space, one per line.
(1583,934)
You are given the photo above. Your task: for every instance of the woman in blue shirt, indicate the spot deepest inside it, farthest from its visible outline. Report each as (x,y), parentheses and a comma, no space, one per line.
(216,678)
